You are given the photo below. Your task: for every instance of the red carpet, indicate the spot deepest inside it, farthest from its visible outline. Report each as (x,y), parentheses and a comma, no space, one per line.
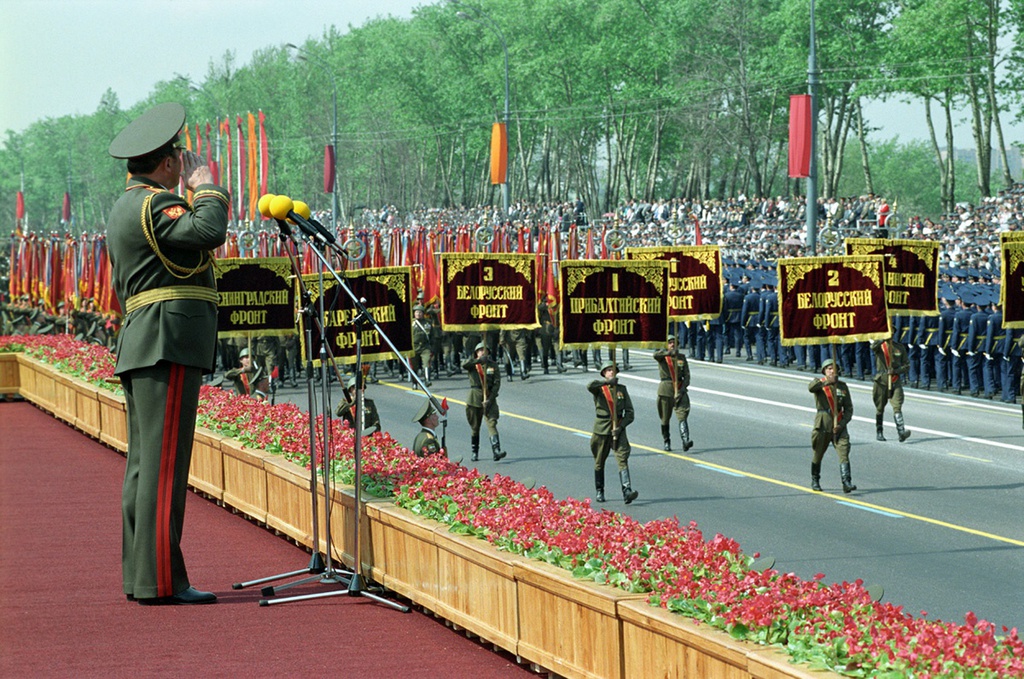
(62,613)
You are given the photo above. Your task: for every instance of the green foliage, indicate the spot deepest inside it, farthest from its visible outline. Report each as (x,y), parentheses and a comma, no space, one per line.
(609,99)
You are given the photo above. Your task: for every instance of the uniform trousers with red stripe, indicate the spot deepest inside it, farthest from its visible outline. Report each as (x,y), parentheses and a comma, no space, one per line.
(161,402)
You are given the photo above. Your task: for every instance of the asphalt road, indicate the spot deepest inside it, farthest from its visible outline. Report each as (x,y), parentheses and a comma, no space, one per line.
(938,521)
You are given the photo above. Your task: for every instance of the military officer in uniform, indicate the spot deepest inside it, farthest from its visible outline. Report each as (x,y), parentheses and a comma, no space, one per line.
(891,365)
(834,413)
(674,372)
(482,402)
(160,251)
(426,442)
(347,409)
(613,413)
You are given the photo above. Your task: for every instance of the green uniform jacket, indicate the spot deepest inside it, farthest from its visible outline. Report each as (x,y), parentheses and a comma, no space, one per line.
(841,396)
(603,416)
(182,331)
(682,373)
(426,443)
(900,362)
(421,329)
(371,418)
(477,387)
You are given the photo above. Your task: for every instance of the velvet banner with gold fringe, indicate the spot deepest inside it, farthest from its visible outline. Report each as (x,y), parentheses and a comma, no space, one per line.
(256,297)
(694,279)
(484,291)
(621,303)
(832,300)
(386,294)
(911,272)
(1011,289)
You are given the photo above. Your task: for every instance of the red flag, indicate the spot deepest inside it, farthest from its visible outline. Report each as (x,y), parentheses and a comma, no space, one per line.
(226,128)
(697,240)
(799,135)
(431,284)
(19,207)
(264,156)
(329,165)
(65,213)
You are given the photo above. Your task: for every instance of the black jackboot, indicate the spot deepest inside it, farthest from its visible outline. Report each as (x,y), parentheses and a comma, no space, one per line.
(879,434)
(684,432)
(599,484)
(846,475)
(496,448)
(474,441)
(903,431)
(665,436)
(628,494)
(816,476)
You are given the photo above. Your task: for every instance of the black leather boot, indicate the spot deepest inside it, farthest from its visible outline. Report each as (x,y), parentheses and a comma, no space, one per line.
(903,431)
(496,448)
(816,476)
(665,436)
(599,484)
(628,494)
(684,432)
(474,442)
(879,434)
(846,475)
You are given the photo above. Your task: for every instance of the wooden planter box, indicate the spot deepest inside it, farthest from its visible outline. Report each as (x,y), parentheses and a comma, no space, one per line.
(289,506)
(343,516)
(206,472)
(64,398)
(245,479)
(113,420)
(477,587)
(569,626)
(37,382)
(659,643)
(409,554)
(10,374)
(87,409)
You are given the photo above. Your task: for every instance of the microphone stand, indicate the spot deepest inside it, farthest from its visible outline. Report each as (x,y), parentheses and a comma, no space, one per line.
(356,583)
(316,563)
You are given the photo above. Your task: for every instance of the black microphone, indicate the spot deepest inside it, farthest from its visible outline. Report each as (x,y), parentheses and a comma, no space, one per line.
(322,230)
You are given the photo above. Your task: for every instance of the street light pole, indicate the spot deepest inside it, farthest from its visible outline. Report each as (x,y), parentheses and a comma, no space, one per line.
(483,17)
(812,171)
(335,197)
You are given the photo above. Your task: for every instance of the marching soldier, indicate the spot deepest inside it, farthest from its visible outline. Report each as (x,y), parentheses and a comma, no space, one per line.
(421,354)
(891,364)
(347,409)
(674,371)
(482,402)
(426,442)
(834,413)
(614,412)
(249,378)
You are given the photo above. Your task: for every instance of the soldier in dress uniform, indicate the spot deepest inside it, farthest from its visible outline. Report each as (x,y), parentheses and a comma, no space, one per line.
(421,353)
(674,372)
(160,250)
(346,410)
(614,412)
(834,413)
(249,378)
(426,442)
(891,365)
(482,402)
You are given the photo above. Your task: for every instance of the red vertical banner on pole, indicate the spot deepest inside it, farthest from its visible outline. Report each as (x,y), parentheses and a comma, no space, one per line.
(264,156)
(799,135)
(329,161)
(65,211)
(499,153)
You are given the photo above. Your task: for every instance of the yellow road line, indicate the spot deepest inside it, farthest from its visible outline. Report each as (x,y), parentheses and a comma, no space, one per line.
(766,479)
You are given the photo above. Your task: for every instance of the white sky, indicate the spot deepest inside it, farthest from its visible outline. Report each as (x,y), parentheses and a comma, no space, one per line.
(58,57)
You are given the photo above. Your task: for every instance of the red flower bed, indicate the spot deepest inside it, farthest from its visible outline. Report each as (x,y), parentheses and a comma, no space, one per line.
(836,626)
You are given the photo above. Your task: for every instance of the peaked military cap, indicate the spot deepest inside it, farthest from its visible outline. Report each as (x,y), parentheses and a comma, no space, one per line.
(425,411)
(149,131)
